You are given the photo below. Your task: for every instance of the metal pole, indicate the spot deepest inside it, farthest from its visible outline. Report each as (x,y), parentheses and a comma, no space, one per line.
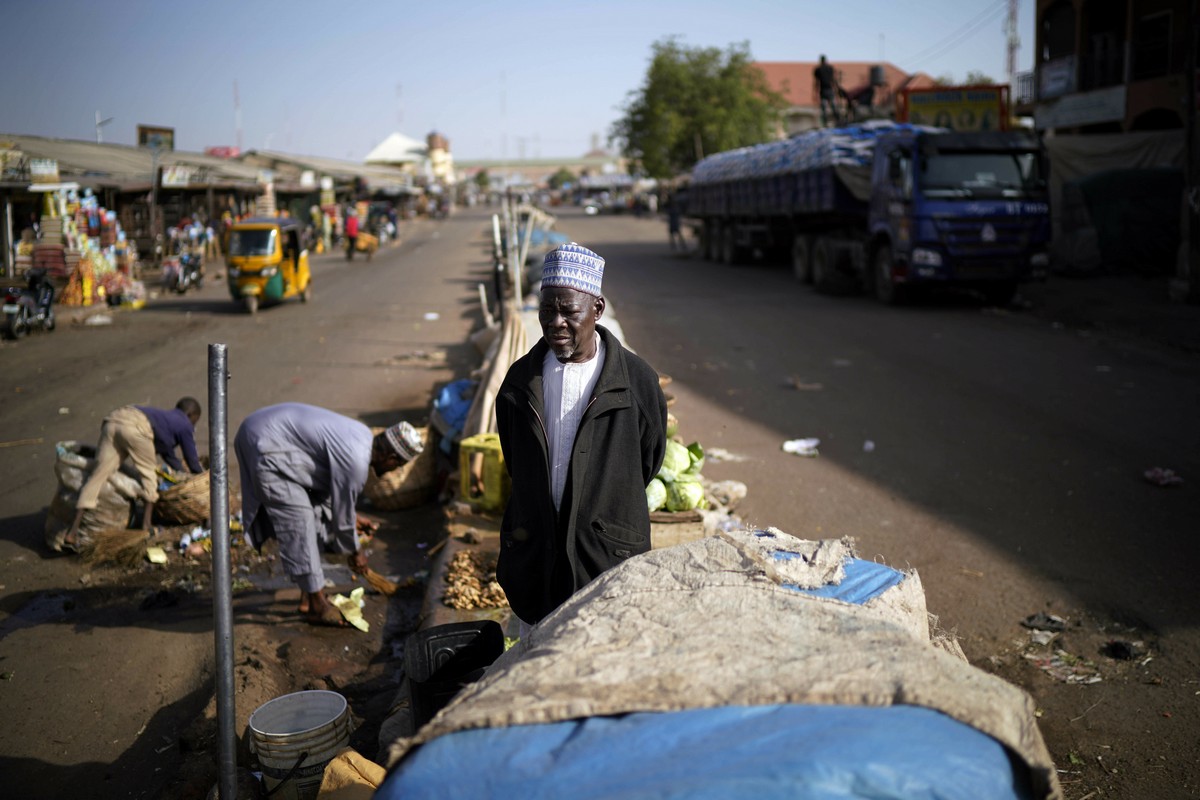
(218,379)
(514,254)
(1186,286)
(498,267)
(9,264)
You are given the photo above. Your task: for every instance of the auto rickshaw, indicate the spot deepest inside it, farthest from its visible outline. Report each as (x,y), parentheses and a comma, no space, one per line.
(266,263)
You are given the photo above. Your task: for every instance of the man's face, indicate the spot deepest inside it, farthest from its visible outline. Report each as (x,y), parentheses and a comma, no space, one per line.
(383,458)
(568,318)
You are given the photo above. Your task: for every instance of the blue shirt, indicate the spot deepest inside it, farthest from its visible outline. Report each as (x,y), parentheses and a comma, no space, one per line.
(172,429)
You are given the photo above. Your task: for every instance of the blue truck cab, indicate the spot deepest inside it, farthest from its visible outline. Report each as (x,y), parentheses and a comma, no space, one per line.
(957,208)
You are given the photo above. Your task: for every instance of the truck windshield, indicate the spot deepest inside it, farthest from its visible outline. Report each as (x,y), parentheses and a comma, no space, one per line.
(981,174)
(252,243)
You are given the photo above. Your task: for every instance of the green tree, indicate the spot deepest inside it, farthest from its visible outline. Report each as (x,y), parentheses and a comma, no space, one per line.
(974,78)
(483,180)
(557,180)
(695,102)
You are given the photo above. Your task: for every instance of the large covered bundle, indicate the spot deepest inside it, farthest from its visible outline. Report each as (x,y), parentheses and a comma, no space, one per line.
(825,147)
(749,664)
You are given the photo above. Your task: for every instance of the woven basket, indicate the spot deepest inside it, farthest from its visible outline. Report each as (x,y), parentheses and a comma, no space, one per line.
(185,503)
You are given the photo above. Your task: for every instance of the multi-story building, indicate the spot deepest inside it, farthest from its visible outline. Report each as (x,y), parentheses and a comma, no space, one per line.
(1109,66)
(1110,94)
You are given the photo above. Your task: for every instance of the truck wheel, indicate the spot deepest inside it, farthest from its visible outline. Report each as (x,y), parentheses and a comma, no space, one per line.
(708,242)
(1000,293)
(886,290)
(821,262)
(730,252)
(802,259)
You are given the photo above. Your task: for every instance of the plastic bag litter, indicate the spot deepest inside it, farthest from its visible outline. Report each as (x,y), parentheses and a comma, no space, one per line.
(802,447)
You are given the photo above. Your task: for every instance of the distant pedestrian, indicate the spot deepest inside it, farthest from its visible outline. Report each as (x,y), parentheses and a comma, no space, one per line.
(351,233)
(825,81)
(675,225)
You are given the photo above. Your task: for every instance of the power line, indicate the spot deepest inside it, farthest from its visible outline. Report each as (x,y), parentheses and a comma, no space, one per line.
(996,14)
(978,19)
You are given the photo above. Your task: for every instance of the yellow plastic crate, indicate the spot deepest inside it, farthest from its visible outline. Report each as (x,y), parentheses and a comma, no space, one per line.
(484,481)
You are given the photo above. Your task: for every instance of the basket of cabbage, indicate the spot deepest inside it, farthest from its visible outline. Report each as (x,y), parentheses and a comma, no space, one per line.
(678,485)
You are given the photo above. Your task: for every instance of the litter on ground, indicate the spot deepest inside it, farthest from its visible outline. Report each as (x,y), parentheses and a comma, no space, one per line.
(802,447)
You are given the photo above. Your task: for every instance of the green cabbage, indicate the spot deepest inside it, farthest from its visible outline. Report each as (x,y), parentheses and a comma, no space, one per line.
(676,460)
(684,495)
(696,454)
(672,425)
(656,494)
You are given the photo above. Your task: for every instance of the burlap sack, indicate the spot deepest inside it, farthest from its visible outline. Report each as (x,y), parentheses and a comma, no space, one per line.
(72,465)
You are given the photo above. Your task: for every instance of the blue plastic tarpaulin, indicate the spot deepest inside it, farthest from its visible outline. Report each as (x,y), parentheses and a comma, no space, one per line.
(795,752)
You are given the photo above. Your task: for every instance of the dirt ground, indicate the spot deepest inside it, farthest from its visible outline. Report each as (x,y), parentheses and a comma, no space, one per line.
(274,652)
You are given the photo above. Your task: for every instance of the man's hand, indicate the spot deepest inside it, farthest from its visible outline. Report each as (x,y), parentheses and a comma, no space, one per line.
(365,525)
(357,562)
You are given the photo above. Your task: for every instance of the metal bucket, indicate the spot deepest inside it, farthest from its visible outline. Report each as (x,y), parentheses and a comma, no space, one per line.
(294,737)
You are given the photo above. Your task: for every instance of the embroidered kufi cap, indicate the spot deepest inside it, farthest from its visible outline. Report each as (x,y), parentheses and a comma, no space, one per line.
(573,266)
(405,440)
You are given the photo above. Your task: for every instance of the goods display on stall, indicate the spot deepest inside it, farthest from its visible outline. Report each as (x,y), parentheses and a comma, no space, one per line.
(84,250)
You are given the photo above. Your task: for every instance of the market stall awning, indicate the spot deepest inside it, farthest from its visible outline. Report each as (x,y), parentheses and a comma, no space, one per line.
(127,168)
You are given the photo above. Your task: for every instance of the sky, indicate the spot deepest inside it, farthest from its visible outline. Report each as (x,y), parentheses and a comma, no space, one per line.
(533,79)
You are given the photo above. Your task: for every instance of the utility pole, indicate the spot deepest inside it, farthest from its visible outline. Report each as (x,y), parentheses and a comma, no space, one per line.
(237,116)
(1186,285)
(1012,43)
(100,123)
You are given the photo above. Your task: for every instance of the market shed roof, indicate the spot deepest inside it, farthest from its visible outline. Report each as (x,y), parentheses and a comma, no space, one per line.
(398,149)
(379,178)
(124,166)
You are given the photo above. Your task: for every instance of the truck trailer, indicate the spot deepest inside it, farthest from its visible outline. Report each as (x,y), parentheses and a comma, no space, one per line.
(882,207)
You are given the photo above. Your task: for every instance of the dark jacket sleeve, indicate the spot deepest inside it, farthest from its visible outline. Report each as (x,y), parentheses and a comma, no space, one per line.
(652,414)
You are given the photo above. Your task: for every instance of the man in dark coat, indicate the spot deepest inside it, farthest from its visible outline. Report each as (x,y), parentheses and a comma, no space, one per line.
(582,425)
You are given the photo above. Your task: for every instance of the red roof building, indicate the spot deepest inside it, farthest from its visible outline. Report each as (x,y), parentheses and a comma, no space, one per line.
(794,80)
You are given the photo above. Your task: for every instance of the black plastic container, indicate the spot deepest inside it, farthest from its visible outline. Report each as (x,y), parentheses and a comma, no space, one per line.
(441,660)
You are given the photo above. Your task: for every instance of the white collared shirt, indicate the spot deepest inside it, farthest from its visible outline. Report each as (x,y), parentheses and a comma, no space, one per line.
(567,389)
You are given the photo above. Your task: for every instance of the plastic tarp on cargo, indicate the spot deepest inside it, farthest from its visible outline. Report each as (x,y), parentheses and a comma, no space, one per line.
(825,147)
(734,627)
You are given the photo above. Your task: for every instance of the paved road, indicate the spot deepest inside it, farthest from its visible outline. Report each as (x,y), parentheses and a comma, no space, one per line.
(90,675)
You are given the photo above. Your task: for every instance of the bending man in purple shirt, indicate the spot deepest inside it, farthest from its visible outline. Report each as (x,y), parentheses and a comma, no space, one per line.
(142,434)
